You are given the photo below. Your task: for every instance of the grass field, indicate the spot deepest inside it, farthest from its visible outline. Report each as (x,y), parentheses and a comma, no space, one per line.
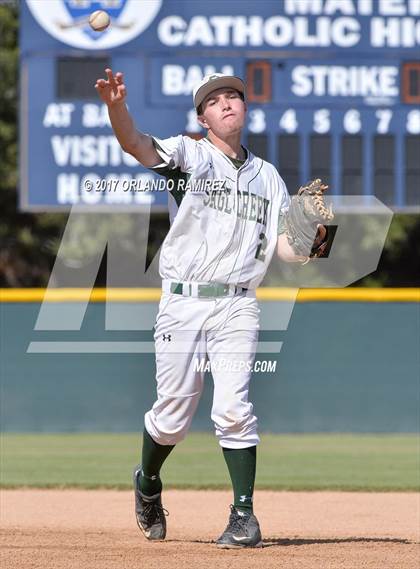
(285,462)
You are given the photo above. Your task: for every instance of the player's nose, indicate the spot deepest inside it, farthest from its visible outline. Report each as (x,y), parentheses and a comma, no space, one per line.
(226,103)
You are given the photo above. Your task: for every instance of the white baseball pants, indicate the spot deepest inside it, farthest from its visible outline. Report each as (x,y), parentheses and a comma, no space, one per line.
(193,332)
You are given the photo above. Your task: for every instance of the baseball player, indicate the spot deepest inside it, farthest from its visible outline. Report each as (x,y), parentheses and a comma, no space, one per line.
(229,212)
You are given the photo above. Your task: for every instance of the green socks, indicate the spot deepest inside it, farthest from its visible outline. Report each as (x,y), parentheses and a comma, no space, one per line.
(242,465)
(153,456)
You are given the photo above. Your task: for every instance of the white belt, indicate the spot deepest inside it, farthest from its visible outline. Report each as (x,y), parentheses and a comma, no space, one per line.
(202,290)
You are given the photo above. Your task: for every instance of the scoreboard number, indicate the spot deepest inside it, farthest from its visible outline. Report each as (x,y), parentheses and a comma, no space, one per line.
(288,121)
(322,121)
(352,123)
(192,124)
(257,121)
(384,117)
(413,122)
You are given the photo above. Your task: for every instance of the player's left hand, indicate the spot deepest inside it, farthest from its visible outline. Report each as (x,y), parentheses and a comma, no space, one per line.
(306,216)
(320,243)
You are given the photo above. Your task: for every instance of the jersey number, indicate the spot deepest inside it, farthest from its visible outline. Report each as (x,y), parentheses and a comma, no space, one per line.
(261,248)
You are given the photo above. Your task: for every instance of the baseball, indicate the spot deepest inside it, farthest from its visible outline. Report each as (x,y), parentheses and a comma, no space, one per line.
(99,20)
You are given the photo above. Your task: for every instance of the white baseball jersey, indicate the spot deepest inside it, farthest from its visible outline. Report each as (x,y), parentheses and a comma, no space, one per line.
(224,220)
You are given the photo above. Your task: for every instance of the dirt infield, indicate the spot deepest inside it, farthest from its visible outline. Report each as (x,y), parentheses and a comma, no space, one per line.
(53,529)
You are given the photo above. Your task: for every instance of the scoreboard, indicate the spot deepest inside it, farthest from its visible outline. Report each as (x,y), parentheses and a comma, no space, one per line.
(333,91)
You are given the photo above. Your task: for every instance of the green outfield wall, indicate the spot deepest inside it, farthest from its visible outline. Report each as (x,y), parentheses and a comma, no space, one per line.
(344,366)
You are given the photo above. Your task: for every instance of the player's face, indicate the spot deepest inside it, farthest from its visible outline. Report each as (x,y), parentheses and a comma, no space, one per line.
(223,111)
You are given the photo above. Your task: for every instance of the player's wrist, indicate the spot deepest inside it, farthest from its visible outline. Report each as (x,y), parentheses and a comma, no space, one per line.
(117,105)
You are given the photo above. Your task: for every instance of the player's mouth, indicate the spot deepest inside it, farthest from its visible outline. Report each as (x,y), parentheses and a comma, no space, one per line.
(228,115)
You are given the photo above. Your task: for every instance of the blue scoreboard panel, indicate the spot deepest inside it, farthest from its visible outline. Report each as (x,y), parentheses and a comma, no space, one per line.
(333,88)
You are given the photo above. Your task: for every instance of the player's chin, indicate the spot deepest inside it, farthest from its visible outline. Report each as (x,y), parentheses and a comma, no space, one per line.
(234,126)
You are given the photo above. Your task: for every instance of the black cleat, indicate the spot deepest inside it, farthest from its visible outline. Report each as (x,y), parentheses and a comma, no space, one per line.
(150,515)
(243,530)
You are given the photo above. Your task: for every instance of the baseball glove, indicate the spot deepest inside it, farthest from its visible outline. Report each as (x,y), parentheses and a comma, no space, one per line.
(304,221)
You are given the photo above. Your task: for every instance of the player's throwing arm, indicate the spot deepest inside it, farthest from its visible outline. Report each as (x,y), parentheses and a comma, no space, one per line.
(113,93)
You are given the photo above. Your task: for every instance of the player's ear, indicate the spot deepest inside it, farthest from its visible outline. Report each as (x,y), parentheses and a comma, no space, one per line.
(202,121)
